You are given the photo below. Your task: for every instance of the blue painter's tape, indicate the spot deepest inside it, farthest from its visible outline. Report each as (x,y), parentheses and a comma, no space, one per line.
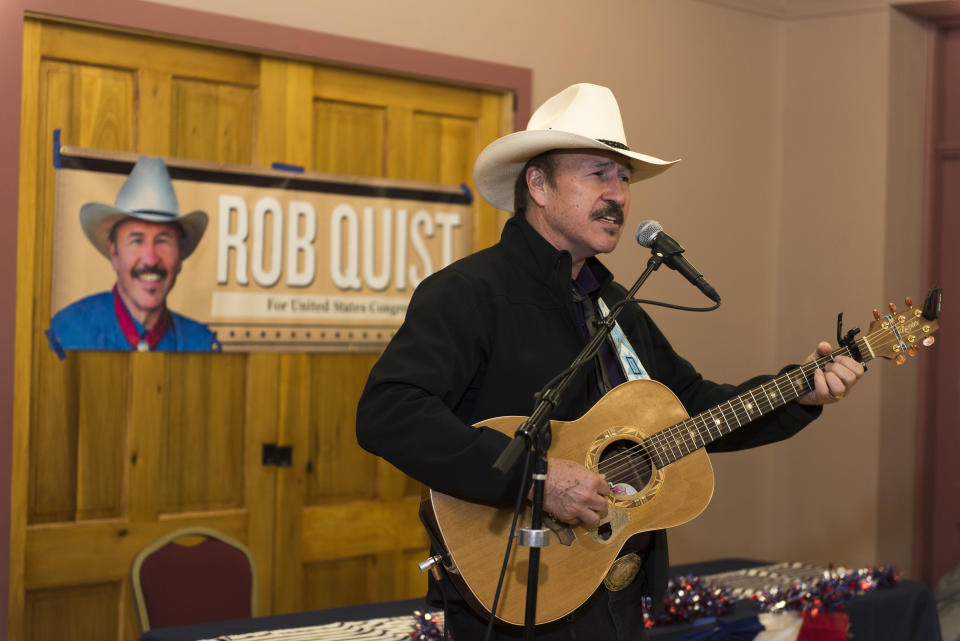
(56,149)
(281,166)
(55,344)
(466,192)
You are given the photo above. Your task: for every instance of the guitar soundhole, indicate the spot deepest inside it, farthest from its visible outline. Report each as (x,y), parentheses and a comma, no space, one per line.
(627,466)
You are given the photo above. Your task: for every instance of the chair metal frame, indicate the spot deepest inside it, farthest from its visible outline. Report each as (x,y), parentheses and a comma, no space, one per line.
(145,553)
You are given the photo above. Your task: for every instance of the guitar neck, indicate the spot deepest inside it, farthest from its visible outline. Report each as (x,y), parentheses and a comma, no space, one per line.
(674,442)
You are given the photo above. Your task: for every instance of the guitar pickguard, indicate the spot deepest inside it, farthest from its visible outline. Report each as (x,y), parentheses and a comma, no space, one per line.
(609,528)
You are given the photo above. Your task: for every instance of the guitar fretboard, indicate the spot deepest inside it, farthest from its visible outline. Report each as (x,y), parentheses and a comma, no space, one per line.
(673,443)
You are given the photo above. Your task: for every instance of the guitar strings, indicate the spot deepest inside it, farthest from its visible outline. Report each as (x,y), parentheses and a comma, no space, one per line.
(670,438)
(676,439)
(673,439)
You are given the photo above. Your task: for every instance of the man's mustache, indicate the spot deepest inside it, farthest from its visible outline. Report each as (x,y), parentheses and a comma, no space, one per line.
(137,272)
(610,209)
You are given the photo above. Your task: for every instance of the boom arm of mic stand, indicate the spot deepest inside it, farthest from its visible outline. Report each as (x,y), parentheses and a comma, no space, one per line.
(529,431)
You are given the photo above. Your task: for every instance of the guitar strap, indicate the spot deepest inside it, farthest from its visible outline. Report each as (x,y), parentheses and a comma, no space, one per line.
(625,568)
(629,361)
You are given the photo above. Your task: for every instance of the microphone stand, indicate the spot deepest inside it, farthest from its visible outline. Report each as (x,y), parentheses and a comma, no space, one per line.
(535,432)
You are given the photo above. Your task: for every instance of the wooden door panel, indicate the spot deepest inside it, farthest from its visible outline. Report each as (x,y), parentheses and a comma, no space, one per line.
(352,529)
(91,105)
(339,583)
(446,148)
(52,458)
(408,581)
(204,431)
(285,116)
(145,438)
(294,398)
(261,399)
(363,579)
(338,469)
(354,138)
(84,612)
(212,121)
(101,422)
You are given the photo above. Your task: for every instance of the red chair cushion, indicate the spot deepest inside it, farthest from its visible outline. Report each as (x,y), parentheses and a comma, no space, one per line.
(183,585)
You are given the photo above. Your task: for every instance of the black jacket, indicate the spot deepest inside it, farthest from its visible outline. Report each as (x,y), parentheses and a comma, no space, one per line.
(480,338)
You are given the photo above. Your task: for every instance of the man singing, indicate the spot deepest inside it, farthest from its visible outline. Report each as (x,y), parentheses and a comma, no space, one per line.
(483,336)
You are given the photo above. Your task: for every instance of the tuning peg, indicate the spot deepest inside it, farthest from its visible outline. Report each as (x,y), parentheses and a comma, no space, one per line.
(876,314)
(908,301)
(900,359)
(893,308)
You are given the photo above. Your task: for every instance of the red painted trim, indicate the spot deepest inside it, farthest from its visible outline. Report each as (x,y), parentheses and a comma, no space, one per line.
(942,14)
(217,30)
(923,456)
(941,9)
(11,52)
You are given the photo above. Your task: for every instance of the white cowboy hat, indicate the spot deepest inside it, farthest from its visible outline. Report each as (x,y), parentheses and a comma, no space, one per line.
(148,195)
(582,116)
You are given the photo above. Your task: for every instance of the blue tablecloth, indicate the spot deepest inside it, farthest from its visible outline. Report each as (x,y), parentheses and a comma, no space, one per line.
(906,612)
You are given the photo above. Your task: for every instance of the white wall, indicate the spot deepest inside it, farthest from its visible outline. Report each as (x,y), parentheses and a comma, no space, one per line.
(800,126)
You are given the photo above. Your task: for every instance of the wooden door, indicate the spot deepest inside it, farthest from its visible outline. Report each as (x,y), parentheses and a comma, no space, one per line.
(355,516)
(113,450)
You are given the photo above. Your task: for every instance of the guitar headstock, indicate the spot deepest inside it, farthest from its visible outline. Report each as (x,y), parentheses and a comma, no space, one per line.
(899,333)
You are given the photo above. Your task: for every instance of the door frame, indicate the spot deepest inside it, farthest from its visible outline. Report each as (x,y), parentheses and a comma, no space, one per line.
(932,407)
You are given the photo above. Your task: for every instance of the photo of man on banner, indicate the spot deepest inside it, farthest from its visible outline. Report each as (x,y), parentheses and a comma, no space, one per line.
(146,240)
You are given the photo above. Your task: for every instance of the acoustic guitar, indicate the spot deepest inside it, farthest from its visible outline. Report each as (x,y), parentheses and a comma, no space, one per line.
(641,438)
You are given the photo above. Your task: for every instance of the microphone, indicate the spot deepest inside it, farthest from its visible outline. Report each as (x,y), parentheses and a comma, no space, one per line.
(650,234)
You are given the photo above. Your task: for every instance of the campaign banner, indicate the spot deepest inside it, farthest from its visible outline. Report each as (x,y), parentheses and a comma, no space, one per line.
(288,260)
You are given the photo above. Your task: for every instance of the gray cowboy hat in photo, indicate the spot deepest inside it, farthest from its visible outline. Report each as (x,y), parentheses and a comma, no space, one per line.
(582,116)
(146,195)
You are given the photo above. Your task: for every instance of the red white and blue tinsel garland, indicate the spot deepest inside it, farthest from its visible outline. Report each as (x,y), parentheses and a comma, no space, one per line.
(828,592)
(690,598)
(427,626)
